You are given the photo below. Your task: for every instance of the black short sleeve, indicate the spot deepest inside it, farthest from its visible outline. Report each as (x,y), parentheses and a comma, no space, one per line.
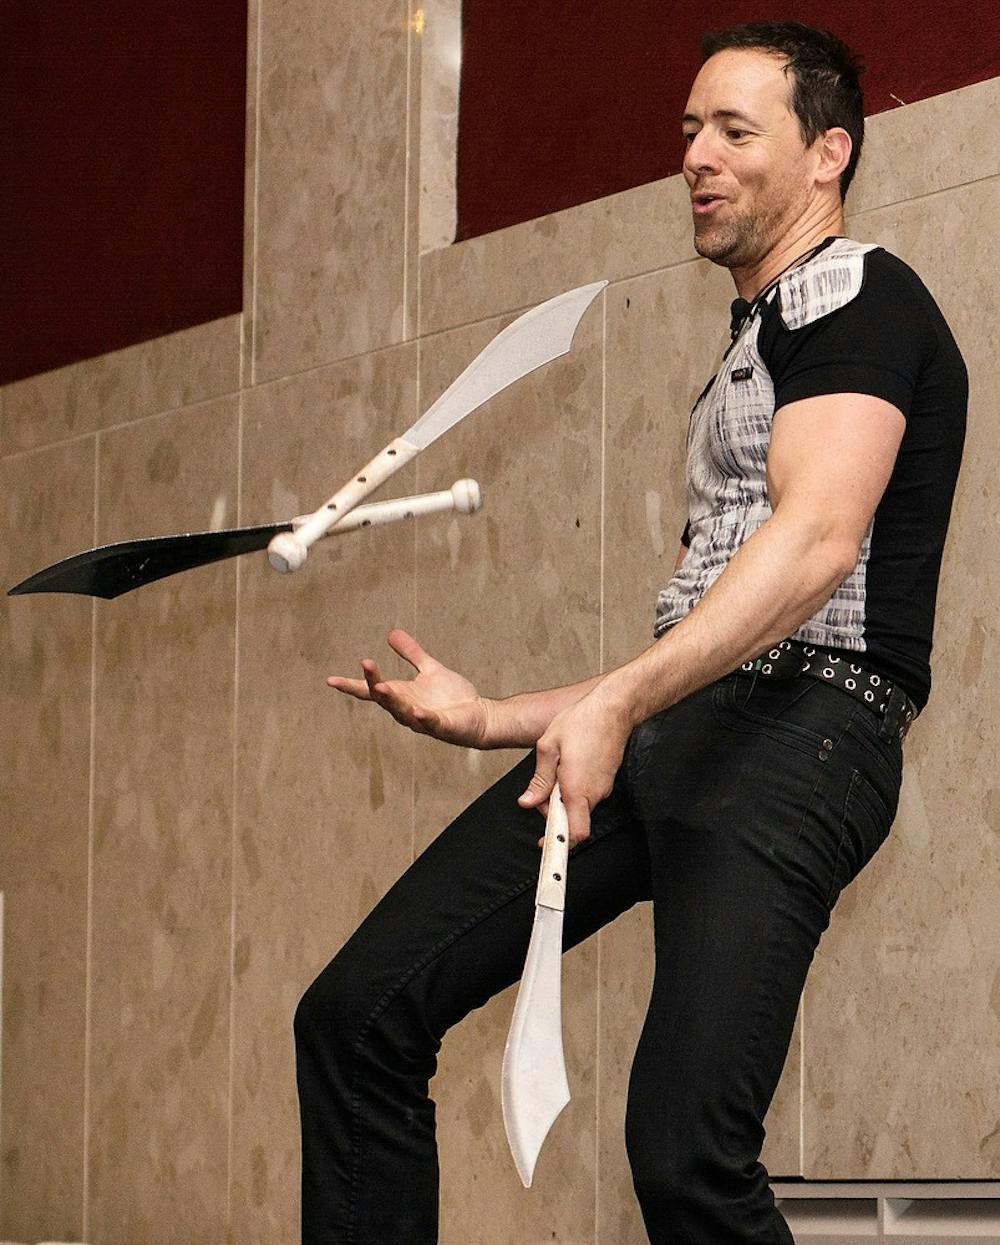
(878,343)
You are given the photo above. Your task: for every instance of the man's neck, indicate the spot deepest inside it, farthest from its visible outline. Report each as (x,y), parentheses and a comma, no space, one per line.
(794,244)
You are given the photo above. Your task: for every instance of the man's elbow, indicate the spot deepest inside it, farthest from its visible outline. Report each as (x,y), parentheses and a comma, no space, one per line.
(828,546)
(841,552)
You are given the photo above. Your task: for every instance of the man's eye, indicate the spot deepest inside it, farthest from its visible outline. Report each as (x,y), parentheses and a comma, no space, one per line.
(736,135)
(688,138)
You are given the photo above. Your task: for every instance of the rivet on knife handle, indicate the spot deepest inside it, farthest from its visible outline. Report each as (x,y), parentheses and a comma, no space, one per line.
(555,853)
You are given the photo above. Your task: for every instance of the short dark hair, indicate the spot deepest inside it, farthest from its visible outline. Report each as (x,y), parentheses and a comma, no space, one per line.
(826,90)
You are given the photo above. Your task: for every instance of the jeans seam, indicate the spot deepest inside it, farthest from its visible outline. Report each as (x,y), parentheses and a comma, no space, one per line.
(855,776)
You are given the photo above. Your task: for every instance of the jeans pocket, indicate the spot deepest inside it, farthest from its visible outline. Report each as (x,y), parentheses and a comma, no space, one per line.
(790,711)
(869,810)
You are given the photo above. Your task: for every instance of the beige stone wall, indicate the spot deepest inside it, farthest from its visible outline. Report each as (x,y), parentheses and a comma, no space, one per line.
(193,823)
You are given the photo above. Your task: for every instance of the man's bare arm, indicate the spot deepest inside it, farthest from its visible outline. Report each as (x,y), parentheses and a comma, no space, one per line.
(829,461)
(440,702)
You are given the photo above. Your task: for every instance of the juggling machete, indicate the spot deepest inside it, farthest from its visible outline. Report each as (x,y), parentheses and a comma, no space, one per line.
(533,1085)
(534,338)
(111,570)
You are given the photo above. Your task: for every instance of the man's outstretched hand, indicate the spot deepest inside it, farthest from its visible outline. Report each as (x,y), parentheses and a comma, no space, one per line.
(437,701)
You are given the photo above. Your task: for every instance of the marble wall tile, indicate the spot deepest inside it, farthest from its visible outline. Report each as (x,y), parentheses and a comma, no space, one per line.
(45,679)
(931,145)
(439,83)
(331,168)
(324,807)
(511,598)
(171,371)
(163,779)
(622,235)
(901,1027)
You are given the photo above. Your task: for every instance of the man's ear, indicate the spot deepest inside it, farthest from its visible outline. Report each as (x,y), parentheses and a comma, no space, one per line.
(834,150)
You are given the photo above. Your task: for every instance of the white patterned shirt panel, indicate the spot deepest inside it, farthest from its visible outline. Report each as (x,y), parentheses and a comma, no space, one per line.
(728,439)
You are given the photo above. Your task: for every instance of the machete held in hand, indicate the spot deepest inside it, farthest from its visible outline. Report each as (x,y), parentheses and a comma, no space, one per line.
(534,1088)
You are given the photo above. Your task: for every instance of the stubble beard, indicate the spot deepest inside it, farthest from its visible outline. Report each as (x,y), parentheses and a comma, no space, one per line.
(738,243)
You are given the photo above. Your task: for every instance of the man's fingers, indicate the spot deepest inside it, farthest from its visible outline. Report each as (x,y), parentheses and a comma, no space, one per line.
(408,648)
(577,817)
(373,676)
(357,688)
(542,782)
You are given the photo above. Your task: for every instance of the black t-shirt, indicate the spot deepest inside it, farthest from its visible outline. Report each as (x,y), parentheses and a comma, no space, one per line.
(852,319)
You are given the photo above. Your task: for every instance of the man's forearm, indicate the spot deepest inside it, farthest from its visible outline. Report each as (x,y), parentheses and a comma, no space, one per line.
(519,721)
(776,581)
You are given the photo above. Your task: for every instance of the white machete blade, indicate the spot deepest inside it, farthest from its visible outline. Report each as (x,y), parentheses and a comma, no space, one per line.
(537,337)
(533,1085)
(534,1088)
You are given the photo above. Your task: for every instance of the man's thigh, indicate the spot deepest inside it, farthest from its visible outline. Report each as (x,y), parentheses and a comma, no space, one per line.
(745,798)
(454,929)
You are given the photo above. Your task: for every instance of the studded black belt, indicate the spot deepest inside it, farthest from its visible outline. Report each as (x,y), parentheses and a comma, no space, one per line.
(888,701)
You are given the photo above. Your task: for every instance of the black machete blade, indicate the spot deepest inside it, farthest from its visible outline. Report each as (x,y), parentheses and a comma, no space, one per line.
(111,570)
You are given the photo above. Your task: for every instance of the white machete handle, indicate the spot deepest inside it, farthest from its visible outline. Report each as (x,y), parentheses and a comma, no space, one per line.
(551,892)
(465,496)
(288,550)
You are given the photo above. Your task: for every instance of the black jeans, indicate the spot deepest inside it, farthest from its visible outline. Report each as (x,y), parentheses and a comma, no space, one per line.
(741,812)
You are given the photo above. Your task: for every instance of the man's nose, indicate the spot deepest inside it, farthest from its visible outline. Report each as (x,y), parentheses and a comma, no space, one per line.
(702,154)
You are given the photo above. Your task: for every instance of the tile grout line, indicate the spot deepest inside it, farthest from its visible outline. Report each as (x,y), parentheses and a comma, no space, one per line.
(601,658)
(2,918)
(418,269)
(234,776)
(919,198)
(802,1083)
(604,424)
(416,606)
(407,165)
(89,924)
(255,203)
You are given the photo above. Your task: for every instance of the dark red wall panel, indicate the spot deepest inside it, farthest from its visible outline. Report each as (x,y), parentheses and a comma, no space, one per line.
(563,101)
(121,163)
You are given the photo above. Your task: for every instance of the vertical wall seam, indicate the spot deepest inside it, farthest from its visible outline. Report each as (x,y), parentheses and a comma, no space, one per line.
(413,738)
(88,973)
(417,400)
(601,665)
(1,1046)
(254,206)
(234,780)
(407,165)
(604,428)
(802,1083)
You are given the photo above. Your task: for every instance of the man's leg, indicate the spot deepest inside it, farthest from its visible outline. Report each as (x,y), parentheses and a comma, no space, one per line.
(753,826)
(450,934)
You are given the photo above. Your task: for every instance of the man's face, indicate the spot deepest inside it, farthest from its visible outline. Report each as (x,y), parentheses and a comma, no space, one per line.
(749,171)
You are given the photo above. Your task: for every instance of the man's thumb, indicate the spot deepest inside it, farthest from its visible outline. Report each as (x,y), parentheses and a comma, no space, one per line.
(537,790)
